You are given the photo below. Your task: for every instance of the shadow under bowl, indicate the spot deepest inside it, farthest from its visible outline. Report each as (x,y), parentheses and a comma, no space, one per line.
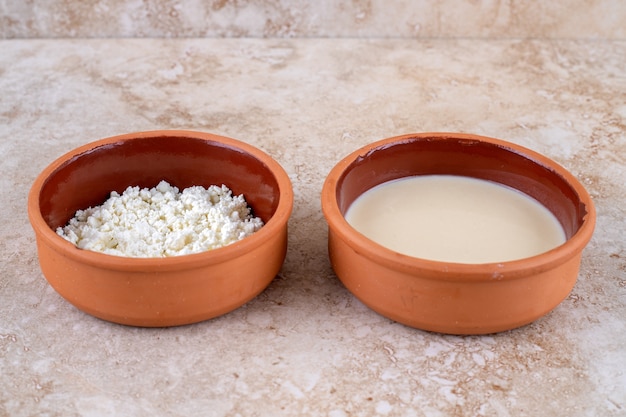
(170,291)
(449,297)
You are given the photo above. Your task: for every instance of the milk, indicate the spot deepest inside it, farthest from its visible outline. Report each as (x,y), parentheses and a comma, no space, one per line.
(455,219)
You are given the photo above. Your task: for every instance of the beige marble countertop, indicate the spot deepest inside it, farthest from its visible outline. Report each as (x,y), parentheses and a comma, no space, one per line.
(306,346)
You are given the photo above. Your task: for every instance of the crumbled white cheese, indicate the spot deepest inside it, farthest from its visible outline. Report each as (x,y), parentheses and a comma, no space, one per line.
(162,221)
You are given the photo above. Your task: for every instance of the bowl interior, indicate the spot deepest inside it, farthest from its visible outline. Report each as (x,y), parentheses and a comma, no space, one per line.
(492,161)
(88,178)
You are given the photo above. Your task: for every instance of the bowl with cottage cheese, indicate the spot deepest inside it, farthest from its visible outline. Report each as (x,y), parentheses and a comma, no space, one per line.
(161,228)
(456,233)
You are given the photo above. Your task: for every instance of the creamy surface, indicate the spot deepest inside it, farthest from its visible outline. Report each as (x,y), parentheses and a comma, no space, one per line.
(455,219)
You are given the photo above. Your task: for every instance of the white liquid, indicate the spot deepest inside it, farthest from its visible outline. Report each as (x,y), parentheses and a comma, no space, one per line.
(455,219)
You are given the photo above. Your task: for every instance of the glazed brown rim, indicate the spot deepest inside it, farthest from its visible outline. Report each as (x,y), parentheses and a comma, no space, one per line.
(181,262)
(456,271)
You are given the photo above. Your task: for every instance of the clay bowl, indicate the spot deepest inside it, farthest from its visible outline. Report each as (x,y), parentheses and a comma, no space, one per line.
(448,297)
(160,291)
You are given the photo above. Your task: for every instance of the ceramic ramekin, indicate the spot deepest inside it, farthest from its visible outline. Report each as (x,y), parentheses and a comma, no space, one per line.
(160,291)
(451,297)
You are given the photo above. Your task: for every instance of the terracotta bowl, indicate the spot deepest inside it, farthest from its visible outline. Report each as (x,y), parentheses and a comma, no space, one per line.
(160,291)
(449,297)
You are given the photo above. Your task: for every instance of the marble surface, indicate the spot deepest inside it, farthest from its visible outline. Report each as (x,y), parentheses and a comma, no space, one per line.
(591,19)
(306,346)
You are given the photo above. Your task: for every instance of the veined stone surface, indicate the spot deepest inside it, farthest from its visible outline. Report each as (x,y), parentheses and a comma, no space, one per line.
(306,346)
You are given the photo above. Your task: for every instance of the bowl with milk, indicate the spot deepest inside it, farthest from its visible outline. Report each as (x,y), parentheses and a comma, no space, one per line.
(456,233)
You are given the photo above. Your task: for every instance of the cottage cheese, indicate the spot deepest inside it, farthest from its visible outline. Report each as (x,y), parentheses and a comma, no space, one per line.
(162,221)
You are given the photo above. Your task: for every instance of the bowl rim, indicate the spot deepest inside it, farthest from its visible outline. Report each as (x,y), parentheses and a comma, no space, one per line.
(455,271)
(181,262)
